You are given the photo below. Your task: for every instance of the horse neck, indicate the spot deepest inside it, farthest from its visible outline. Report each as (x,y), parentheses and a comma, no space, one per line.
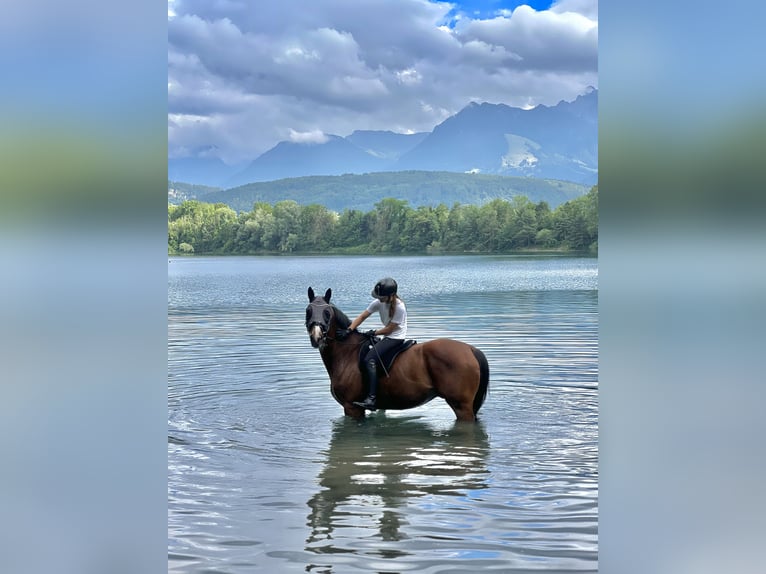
(338,353)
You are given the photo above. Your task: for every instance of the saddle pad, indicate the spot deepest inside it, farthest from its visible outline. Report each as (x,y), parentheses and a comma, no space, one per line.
(388,357)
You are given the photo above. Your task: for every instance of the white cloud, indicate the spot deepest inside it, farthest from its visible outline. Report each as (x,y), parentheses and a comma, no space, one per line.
(314,136)
(299,53)
(544,41)
(409,77)
(265,72)
(588,8)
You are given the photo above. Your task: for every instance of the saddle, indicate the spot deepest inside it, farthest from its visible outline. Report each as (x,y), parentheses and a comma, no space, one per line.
(388,357)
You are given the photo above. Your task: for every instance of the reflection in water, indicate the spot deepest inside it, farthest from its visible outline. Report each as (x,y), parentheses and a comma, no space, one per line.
(376,468)
(255,485)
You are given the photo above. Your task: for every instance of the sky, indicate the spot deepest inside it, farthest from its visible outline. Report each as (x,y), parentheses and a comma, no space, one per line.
(243,76)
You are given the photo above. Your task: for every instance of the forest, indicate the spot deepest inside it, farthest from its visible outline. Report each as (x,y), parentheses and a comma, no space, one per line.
(391,227)
(363,191)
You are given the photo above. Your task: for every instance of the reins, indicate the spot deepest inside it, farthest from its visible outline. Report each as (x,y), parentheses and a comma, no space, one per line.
(343,342)
(326,337)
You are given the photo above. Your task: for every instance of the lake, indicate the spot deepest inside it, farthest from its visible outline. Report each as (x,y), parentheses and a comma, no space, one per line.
(266,474)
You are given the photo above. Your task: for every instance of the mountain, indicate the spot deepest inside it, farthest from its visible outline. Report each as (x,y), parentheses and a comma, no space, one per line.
(549,142)
(202,168)
(363,191)
(558,142)
(335,156)
(385,144)
(361,152)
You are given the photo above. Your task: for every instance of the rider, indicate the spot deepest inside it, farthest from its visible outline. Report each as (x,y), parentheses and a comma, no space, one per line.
(393,315)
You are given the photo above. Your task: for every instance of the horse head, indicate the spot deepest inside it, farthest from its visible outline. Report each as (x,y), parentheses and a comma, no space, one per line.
(319,317)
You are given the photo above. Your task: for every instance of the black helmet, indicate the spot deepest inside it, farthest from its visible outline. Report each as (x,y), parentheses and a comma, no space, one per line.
(384,288)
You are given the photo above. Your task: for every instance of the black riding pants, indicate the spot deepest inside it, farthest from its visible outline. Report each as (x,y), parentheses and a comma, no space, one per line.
(382,348)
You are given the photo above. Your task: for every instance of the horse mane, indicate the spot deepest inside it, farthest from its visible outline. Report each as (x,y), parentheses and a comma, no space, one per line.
(340,318)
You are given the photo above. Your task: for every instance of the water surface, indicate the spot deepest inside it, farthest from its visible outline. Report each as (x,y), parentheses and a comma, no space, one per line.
(266,474)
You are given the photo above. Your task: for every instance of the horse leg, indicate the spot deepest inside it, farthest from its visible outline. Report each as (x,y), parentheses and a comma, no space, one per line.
(353,411)
(463,410)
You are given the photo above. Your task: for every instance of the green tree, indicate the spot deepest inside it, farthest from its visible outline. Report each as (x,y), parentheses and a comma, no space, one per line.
(591,217)
(545,238)
(391,227)
(543,215)
(225,224)
(576,221)
(353,229)
(421,229)
(253,228)
(494,218)
(390,217)
(282,232)
(462,229)
(317,228)
(524,227)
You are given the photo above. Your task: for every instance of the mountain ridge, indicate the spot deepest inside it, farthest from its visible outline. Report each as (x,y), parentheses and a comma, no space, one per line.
(418,188)
(548,142)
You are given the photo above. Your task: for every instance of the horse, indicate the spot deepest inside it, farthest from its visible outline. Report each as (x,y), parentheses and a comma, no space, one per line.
(446,368)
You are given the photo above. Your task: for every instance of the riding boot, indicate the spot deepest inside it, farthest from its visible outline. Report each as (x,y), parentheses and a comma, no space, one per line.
(372,379)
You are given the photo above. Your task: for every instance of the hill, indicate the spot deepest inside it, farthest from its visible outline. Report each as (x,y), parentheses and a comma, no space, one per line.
(363,191)
(178,191)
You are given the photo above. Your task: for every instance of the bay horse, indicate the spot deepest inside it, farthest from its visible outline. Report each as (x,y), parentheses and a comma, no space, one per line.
(453,370)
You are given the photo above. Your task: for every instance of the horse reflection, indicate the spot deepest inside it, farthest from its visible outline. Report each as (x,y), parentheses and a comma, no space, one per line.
(375,469)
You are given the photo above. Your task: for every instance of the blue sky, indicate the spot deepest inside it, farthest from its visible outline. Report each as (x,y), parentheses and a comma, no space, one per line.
(244,76)
(489,8)
(481,8)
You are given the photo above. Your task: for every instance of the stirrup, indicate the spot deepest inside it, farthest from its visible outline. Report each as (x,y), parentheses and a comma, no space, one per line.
(368,403)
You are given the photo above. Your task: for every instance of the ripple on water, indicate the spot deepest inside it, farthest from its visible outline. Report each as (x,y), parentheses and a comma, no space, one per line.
(264,472)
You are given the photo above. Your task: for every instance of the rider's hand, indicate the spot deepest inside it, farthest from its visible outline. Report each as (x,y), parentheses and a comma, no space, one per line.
(370,333)
(342,334)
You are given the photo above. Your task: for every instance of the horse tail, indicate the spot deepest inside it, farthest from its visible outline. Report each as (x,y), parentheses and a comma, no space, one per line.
(481,392)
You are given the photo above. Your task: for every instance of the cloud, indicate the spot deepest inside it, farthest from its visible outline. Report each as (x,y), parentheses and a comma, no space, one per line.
(588,8)
(544,41)
(410,76)
(314,136)
(249,76)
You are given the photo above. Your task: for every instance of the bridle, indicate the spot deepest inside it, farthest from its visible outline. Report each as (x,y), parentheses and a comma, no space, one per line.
(324,326)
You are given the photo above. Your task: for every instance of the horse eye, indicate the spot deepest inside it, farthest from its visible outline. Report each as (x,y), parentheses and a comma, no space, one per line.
(308,314)
(327,315)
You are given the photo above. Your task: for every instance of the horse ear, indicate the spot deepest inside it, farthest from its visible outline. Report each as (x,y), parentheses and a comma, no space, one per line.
(327,295)
(311,294)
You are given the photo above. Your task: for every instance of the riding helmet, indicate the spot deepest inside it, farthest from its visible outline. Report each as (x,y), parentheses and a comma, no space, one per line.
(385,287)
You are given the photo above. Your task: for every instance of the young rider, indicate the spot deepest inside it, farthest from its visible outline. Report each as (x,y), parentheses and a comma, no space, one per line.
(393,315)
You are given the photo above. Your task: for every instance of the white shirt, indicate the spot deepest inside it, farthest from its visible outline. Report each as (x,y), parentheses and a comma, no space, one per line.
(399,318)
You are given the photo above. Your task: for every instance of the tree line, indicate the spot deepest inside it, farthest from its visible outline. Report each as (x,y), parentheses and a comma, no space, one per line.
(392,227)
(363,191)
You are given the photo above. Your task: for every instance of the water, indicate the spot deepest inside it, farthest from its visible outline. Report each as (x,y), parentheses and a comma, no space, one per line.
(266,474)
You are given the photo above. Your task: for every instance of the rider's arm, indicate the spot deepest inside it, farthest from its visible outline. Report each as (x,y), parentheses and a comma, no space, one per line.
(390,328)
(359,320)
